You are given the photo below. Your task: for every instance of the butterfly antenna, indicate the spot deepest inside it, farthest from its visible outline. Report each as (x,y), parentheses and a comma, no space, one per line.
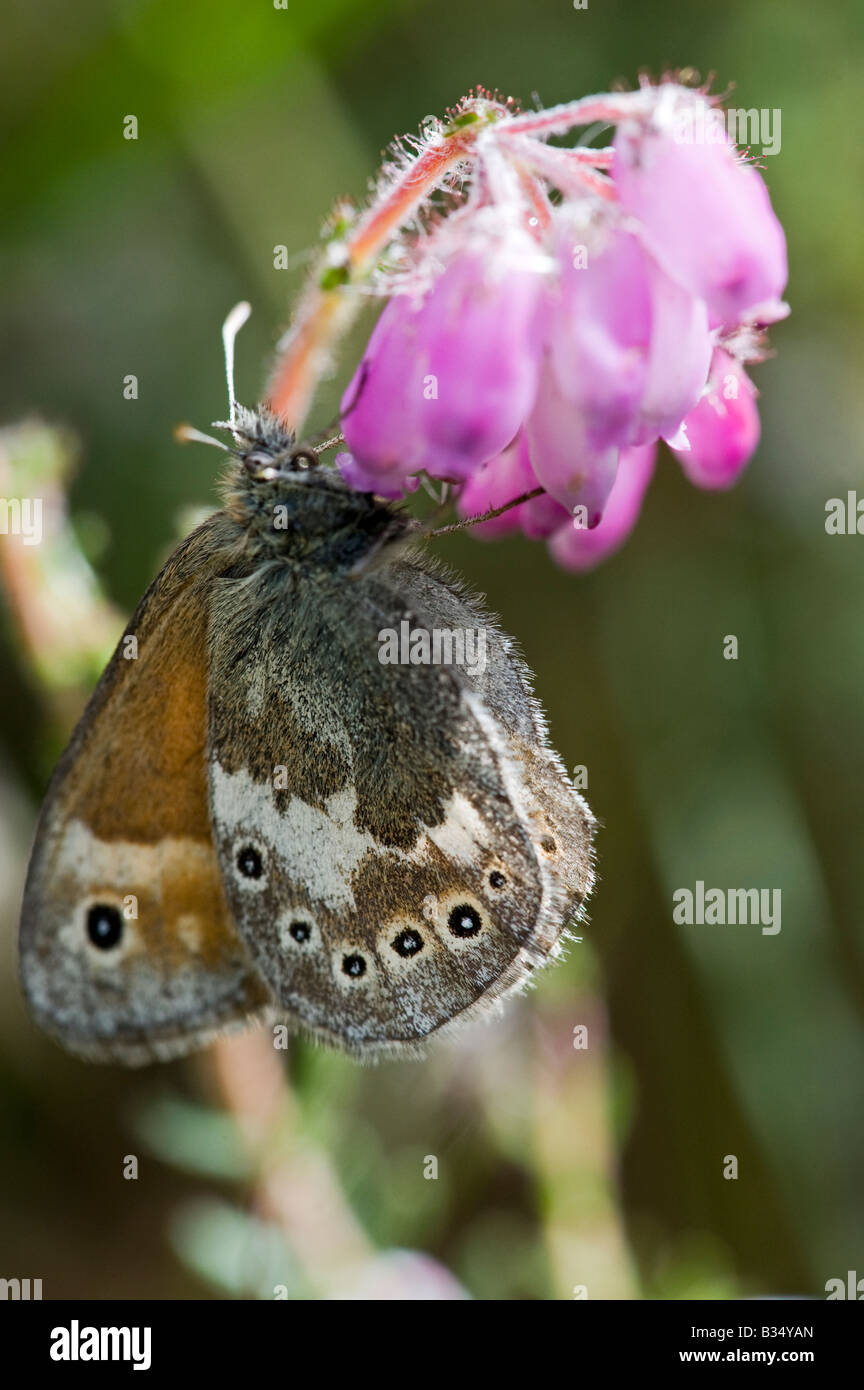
(328,444)
(187,434)
(486,516)
(230,328)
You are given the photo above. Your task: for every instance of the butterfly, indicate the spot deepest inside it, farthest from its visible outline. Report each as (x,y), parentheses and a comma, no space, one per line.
(257,818)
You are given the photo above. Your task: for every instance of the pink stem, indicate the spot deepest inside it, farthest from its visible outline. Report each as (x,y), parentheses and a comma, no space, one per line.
(559,167)
(597,159)
(324,312)
(558,119)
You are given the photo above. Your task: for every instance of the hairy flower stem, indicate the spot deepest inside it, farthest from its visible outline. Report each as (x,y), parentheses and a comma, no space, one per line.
(557,120)
(326,310)
(567,169)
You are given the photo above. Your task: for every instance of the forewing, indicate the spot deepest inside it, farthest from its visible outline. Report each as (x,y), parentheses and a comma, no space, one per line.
(125,829)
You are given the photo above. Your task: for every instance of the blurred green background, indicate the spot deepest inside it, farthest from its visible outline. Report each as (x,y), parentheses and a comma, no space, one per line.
(122,257)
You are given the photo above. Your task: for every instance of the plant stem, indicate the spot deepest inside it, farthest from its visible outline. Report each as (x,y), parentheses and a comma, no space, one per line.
(295,1184)
(326,312)
(557,120)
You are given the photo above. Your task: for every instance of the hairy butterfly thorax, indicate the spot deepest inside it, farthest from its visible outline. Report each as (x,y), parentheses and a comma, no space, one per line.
(297,510)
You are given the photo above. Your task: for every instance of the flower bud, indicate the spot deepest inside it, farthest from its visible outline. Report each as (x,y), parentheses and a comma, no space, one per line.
(629,345)
(565,460)
(446,384)
(576,548)
(723,431)
(706,214)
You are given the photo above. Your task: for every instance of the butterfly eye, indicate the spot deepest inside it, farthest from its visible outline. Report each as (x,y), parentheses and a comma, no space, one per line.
(260,466)
(104,926)
(496,879)
(464,920)
(249,862)
(301,931)
(354,966)
(408,943)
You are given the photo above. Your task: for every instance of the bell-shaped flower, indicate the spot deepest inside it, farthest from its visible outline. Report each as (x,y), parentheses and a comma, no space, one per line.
(706,213)
(380,406)
(361,480)
(723,431)
(628,356)
(446,382)
(628,344)
(501,481)
(575,547)
(678,357)
(571,466)
(495,484)
(598,326)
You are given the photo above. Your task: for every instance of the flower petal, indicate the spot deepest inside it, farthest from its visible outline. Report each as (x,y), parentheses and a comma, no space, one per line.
(566,463)
(723,431)
(706,213)
(576,548)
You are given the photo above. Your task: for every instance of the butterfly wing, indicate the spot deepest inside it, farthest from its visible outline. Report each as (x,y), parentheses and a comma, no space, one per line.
(400,845)
(127,947)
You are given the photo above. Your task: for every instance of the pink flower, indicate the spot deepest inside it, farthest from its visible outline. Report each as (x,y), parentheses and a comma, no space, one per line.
(380,406)
(358,478)
(629,345)
(678,357)
(628,356)
(542,517)
(565,460)
(500,481)
(599,326)
(723,430)
(706,214)
(496,483)
(556,322)
(446,384)
(575,548)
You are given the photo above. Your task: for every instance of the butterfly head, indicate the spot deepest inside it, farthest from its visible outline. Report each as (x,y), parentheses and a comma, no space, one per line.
(297,508)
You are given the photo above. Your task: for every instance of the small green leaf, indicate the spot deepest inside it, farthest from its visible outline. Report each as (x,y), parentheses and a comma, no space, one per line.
(334,276)
(192,1137)
(459,122)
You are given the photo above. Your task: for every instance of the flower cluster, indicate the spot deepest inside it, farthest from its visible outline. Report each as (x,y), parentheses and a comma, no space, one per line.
(571,308)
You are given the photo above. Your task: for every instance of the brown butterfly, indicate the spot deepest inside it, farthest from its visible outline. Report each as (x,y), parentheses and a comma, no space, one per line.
(261,817)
